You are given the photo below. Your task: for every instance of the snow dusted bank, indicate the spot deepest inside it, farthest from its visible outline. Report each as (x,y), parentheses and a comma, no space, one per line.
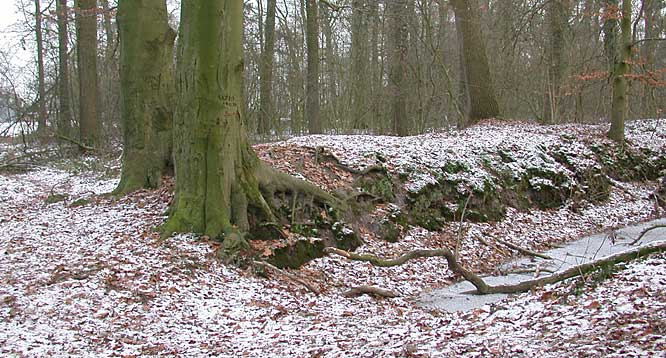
(91,277)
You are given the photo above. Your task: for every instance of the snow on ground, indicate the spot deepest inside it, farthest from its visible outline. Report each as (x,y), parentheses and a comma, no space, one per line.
(16,129)
(95,280)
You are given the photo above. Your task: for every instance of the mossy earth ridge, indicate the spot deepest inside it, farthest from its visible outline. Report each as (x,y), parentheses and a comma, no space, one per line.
(477,173)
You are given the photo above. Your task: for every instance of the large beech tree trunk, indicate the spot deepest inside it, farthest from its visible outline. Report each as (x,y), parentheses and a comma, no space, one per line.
(86,38)
(476,71)
(222,189)
(146,76)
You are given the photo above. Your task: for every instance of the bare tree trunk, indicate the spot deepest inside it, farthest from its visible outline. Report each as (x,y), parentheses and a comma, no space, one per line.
(109,31)
(312,90)
(557,21)
(478,80)
(622,68)
(648,52)
(360,75)
(266,111)
(86,38)
(329,72)
(397,54)
(41,87)
(109,89)
(64,113)
(376,69)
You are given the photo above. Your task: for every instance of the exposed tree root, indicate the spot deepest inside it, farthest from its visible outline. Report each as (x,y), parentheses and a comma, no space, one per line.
(321,153)
(288,275)
(370,290)
(251,210)
(483,288)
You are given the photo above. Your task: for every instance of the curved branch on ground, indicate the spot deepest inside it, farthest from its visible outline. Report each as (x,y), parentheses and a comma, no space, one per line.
(483,288)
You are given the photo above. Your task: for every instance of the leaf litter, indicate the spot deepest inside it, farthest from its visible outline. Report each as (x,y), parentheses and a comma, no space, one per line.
(95,280)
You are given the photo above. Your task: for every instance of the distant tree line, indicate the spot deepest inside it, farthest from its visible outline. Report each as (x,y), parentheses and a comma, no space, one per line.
(372,66)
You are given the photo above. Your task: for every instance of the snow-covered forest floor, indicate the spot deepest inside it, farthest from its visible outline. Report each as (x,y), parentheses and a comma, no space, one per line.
(92,278)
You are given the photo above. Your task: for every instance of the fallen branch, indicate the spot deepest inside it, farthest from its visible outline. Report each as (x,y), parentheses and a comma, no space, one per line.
(79,143)
(640,236)
(523,250)
(446,253)
(370,290)
(483,288)
(288,275)
(582,269)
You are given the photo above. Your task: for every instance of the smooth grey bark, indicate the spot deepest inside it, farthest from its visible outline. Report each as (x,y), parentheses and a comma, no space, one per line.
(556,54)
(64,114)
(478,82)
(86,39)
(41,86)
(266,111)
(360,75)
(312,101)
(396,13)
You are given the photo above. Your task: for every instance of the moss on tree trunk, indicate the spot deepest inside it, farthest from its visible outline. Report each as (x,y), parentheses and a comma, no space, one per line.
(620,104)
(221,185)
(146,75)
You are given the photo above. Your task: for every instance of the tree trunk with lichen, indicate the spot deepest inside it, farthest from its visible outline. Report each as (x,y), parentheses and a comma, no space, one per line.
(222,189)
(146,75)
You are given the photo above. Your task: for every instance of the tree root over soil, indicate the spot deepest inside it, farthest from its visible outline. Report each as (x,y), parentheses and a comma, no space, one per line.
(288,275)
(483,288)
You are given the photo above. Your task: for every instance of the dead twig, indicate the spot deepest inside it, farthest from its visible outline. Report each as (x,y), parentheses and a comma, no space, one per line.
(640,236)
(523,250)
(491,245)
(460,225)
(288,275)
